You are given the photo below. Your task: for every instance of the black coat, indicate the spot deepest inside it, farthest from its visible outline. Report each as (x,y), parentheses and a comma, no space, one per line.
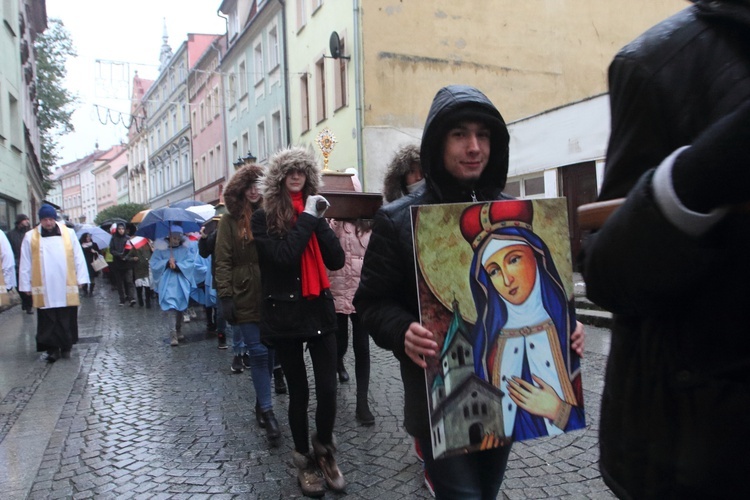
(677,388)
(387,300)
(285,314)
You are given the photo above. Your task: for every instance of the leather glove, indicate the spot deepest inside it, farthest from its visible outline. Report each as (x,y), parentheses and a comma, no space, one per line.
(316,205)
(714,170)
(227,309)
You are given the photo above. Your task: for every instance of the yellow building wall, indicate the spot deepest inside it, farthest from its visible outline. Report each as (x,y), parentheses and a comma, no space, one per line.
(527,56)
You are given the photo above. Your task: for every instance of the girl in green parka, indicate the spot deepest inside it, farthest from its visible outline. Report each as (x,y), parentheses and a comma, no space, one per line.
(238,286)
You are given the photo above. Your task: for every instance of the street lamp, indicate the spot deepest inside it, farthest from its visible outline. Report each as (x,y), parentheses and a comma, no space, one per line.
(237,164)
(250,158)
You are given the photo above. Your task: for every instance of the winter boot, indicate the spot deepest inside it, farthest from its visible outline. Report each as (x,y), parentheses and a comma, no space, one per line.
(311,484)
(278,381)
(363,414)
(147,291)
(222,340)
(174,342)
(259,415)
(327,463)
(272,426)
(343,374)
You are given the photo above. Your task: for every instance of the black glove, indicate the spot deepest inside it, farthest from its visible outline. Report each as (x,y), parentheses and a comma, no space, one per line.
(714,171)
(227,308)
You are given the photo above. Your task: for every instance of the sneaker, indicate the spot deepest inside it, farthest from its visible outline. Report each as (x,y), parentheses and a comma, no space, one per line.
(418,451)
(222,341)
(132,302)
(237,364)
(185,317)
(428,484)
(246,360)
(122,304)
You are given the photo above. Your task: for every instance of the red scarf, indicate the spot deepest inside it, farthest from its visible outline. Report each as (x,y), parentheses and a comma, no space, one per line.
(314,276)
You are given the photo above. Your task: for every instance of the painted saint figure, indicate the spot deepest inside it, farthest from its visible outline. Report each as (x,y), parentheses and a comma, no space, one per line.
(524,321)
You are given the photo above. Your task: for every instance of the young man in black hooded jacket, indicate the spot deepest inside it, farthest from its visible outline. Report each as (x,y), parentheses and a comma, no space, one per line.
(464,154)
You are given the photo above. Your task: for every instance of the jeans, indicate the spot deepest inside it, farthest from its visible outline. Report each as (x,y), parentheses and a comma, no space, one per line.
(261,365)
(474,476)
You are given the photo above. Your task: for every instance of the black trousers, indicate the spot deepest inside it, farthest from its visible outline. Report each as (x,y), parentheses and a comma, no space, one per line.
(290,353)
(361,344)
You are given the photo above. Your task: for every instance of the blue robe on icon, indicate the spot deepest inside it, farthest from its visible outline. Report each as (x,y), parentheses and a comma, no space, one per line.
(174,285)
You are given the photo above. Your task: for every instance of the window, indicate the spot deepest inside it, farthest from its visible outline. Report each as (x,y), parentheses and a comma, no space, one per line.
(195,123)
(262,149)
(202,108)
(258,59)
(232,84)
(320,91)
(339,80)
(242,73)
(245,143)
(217,103)
(185,167)
(210,174)
(304,103)
(316,4)
(301,14)
(529,187)
(235,151)
(15,123)
(276,131)
(273,48)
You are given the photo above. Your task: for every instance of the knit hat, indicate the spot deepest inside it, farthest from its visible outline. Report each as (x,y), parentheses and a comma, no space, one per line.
(176,229)
(20,218)
(46,211)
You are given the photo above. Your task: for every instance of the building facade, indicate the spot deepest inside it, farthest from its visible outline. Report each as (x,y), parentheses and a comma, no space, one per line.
(253,68)
(206,124)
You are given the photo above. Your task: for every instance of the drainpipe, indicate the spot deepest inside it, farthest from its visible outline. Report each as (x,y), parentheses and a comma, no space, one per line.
(357,53)
(227,161)
(286,71)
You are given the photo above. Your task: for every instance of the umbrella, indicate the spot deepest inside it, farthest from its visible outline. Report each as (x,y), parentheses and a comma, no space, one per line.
(111,224)
(137,218)
(205,212)
(98,235)
(157,222)
(186,204)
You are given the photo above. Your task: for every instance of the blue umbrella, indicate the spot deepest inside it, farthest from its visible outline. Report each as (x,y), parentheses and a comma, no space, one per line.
(157,222)
(187,203)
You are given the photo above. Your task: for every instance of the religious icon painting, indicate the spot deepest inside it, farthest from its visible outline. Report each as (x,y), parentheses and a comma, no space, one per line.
(495,287)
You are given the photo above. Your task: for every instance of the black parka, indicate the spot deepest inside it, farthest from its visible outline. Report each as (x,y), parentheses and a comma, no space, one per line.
(386,299)
(677,385)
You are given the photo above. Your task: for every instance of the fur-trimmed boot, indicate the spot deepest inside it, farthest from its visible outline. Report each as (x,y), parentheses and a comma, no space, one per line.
(327,463)
(311,484)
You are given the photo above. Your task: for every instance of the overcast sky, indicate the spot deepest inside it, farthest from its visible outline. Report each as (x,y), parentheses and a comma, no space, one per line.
(126,35)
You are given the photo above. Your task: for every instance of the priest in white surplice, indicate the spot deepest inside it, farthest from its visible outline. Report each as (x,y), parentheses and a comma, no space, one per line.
(52,268)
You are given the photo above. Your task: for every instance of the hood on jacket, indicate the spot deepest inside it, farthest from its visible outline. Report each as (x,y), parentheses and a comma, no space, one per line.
(735,12)
(394,186)
(272,185)
(452,104)
(234,194)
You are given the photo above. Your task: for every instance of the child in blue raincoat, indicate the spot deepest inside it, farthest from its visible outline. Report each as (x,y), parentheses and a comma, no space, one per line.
(172,266)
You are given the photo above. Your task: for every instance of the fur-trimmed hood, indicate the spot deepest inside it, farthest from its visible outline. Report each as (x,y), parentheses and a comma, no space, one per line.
(272,185)
(393,183)
(234,194)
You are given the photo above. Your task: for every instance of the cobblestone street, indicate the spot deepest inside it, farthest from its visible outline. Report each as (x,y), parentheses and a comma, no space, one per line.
(128,416)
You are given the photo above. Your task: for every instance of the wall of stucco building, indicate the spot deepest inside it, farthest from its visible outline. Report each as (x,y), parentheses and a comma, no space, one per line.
(309,32)
(528,57)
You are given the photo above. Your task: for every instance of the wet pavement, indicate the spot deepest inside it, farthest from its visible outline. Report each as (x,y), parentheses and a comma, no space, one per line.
(128,416)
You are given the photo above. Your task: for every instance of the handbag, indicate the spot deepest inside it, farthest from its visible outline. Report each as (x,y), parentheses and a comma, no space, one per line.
(98,264)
